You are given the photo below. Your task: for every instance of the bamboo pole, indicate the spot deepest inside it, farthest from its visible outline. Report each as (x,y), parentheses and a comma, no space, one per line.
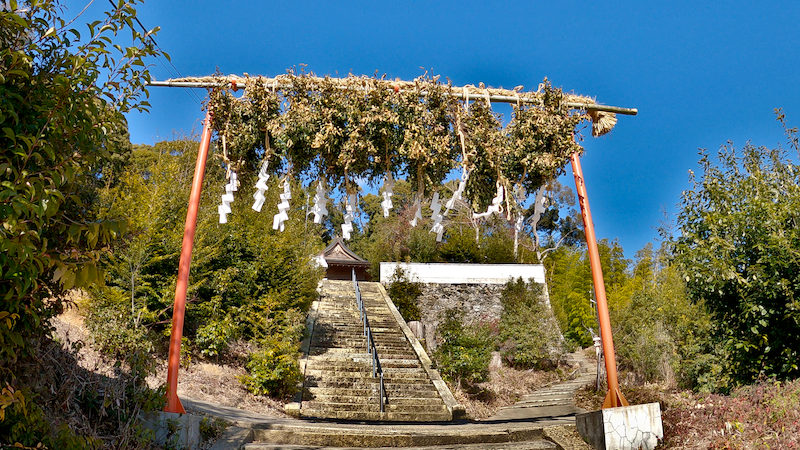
(174,360)
(495,95)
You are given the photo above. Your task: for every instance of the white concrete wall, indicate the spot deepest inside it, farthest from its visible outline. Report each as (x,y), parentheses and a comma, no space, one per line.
(446,273)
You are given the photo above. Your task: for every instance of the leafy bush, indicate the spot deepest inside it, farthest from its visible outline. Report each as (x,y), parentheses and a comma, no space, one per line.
(112,328)
(63,97)
(246,279)
(738,251)
(528,334)
(404,294)
(214,336)
(659,334)
(465,351)
(23,422)
(273,370)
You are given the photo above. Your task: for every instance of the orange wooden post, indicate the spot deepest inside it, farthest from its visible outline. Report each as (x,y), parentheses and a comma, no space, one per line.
(173,402)
(614,397)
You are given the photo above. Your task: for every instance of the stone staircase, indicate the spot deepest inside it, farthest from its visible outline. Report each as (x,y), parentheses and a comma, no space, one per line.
(339,382)
(555,402)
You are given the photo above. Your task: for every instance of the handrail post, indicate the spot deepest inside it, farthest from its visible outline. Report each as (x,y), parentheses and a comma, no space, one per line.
(382,393)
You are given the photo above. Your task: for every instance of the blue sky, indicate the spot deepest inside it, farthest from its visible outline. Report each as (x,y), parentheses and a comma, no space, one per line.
(699,73)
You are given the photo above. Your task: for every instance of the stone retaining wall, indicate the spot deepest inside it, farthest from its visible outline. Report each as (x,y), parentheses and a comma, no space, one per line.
(478,302)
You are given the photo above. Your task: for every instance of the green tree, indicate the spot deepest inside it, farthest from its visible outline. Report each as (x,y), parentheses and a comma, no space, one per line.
(465,351)
(739,250)
(62,96)
(659,334)
(528,334)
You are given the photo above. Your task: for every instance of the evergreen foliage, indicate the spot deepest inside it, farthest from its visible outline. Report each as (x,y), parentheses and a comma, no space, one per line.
(404,294)
(739,250)
(465,351)
(62,95)
(247,281)
(528,337)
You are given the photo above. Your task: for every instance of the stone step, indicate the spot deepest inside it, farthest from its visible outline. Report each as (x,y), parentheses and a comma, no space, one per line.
(326,371)
(538,444)
(467,438)
(431,401)
(366,369)
(331,351)
(410,407)
(358,337)
(396,378)
(338,373)
(361,357)
(319,378)
(393,391)
(377,415)
(356,345)
(348,363)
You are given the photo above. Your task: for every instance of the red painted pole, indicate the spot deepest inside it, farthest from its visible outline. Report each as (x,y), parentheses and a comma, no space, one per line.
(173,402)
(614,397)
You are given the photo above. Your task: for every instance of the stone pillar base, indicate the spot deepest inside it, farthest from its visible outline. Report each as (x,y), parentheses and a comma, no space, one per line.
(626,427)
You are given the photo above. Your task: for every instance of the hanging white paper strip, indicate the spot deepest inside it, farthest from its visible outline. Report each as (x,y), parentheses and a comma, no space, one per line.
(388,185)
(283,207)
(347,226)
(225,207)
(438,228)
(261,187)
(418,213)
(497,202)
(320,201)
(437,217)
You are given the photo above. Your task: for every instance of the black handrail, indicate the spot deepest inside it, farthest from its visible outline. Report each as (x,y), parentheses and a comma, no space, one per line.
(377,371)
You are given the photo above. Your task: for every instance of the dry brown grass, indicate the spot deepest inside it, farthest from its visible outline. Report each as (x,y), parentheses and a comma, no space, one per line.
(218,383)
(209,381)
(505,387)
(763,415)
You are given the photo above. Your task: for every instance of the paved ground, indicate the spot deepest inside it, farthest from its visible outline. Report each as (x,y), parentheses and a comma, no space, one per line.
(550,409)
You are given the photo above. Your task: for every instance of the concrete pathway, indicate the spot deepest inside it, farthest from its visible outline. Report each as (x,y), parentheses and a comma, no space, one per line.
(544,419)
(554,403)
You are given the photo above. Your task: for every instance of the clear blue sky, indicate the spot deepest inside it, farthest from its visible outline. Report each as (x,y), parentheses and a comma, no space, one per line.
(700,74)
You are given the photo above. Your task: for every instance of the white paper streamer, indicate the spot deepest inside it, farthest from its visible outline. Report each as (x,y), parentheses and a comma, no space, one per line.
(320,201)
(458,194)
(283,207)
(437,217)
(418,213)
(225,208)
(497,202)
(438,228)
(347,226)
(388,185)
(261,187)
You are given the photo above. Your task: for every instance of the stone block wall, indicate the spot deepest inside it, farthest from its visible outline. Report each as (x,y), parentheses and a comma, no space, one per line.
(478,302)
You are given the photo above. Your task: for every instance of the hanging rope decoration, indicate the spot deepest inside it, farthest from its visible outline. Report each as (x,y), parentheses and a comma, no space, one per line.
(337,131)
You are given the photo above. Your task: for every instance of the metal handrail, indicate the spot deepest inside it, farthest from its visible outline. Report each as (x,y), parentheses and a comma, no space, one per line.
(377,370)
